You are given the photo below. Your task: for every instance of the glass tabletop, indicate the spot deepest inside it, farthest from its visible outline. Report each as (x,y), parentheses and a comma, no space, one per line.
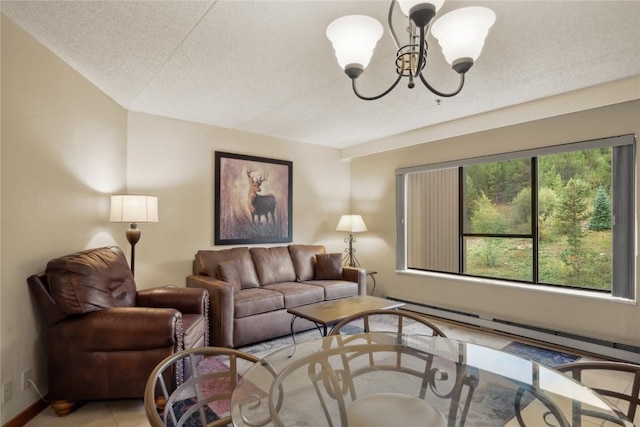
(328,382)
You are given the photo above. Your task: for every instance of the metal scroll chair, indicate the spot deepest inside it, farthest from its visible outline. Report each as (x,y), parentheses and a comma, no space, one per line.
(580,372)
(403,316)
(370,362)
(192,401)
(435,379)
(552,416)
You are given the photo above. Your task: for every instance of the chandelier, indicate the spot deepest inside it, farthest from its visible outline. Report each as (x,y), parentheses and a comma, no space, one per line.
(460,33)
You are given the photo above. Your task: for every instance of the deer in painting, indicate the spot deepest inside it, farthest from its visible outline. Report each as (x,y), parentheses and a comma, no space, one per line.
(260,205)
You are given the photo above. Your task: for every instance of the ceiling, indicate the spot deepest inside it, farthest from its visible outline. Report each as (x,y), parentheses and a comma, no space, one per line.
(266,67)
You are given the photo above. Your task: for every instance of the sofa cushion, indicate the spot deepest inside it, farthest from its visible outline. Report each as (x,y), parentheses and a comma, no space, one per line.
(297,294)
(334,289)
(228,272)
(304,259)
(257,300)
(91,280)
(207,264)
(273,265)
(328,267)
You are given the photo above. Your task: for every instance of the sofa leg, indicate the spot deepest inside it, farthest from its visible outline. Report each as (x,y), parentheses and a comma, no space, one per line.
(62,407)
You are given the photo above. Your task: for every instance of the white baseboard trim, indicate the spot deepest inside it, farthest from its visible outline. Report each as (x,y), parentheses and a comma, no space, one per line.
(607,349)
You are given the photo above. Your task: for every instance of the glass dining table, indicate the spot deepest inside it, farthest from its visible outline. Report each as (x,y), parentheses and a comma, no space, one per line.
(386,379)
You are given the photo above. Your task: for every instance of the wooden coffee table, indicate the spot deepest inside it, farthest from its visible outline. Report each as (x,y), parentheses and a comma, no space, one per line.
(330,312)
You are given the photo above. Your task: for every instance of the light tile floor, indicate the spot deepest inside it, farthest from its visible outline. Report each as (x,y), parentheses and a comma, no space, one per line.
(130,412)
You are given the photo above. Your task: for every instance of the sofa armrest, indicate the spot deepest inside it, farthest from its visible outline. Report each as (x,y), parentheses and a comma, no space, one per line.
(355,274)
(185,300)
(221,308)
(121,329)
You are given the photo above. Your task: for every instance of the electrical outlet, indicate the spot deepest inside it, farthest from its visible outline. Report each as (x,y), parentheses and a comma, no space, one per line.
(26,376)
(6,391)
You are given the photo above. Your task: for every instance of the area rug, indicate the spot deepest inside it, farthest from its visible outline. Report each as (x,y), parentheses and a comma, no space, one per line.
(261,349)
(214,386)
(544,356)
(183,406)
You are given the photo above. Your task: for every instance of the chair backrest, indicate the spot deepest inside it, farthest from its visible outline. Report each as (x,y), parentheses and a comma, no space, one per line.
(39,286)
(91,280)
(214,376)
(83,282)
(350,377)
(629,392)
(402,317)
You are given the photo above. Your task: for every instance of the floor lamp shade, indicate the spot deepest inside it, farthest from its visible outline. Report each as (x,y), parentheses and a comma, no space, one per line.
(133,209)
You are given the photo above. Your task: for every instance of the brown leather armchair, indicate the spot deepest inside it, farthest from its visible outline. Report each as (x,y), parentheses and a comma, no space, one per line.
(103,337)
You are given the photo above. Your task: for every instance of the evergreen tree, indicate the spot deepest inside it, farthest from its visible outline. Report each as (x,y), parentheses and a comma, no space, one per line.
(571,214)
(601,218)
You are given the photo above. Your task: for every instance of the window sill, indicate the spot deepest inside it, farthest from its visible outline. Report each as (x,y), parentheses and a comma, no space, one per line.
(521,286)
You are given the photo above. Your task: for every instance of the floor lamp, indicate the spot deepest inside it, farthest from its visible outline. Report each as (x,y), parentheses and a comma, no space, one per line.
(133,209)
(352,224)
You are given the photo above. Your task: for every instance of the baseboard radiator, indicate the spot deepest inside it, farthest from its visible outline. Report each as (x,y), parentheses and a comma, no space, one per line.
(606,349)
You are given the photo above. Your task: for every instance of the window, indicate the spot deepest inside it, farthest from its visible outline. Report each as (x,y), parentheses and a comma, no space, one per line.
(557,216)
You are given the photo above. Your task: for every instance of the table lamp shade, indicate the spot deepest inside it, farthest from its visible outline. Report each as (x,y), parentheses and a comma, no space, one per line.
(351,223)
(134,208)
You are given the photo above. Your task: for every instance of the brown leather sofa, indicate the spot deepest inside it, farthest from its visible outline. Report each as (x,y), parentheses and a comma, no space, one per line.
(103,337)
(251,289)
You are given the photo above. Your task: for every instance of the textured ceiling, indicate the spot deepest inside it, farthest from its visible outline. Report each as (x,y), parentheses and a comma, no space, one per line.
(266,66)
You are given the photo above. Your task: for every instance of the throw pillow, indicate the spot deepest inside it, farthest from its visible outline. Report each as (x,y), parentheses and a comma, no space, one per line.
(328,266)
(304,260)
(228,272)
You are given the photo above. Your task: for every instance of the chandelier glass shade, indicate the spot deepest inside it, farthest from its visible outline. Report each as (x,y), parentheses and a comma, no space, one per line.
(354,37)
(460,33)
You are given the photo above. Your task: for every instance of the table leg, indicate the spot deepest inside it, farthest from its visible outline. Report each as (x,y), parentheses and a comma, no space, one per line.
(373,279)
(293,336)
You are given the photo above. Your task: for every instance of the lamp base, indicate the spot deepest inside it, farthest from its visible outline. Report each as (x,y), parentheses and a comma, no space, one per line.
(349,258)
(133,236)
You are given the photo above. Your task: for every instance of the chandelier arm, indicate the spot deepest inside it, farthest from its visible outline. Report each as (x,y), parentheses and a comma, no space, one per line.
(421,56)
(389,24)
(437,92)
(373,98)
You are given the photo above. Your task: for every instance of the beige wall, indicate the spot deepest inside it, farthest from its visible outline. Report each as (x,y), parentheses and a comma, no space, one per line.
(174,160)
(63,151)
(66,147)
(373,194)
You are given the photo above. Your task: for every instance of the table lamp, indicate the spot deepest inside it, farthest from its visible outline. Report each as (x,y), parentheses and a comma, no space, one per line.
(133,209)
(352,224)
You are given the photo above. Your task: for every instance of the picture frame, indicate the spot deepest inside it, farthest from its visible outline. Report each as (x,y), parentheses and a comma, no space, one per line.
(253,199)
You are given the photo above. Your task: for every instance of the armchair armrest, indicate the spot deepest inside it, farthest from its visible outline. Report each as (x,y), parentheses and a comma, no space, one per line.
(121,329)
(358,275)
(185,300)
(221,308)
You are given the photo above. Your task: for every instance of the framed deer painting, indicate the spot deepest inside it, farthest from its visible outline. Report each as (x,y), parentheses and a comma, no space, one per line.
(253,199)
